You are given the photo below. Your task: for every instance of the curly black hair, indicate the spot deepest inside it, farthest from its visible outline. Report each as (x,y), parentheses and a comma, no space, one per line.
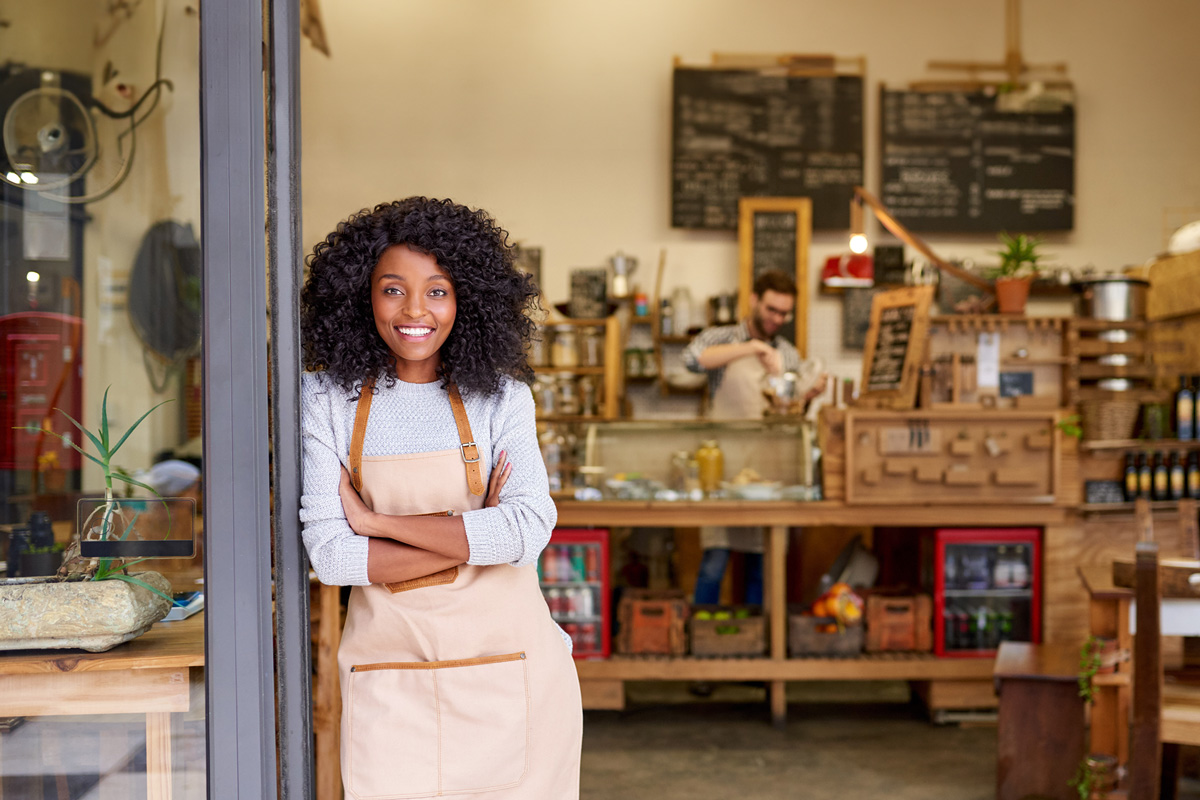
(492,326)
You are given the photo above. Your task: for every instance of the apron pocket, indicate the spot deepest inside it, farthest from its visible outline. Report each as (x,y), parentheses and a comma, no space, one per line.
(423,728)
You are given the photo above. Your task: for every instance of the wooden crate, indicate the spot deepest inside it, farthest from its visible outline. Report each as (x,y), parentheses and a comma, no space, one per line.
(899,623)
(805,640)
(728,637)
(652,622)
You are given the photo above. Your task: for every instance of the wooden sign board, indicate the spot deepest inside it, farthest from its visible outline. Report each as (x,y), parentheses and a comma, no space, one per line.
(895,347)
(774,234)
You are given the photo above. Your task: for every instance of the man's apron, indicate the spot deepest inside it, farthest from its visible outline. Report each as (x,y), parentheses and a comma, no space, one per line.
(458,683)
(739,396)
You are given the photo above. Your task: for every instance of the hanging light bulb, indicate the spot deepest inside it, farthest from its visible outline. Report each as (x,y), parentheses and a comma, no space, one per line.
(858,244)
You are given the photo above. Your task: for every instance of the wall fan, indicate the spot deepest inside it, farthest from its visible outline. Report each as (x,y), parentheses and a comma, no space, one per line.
(53,136)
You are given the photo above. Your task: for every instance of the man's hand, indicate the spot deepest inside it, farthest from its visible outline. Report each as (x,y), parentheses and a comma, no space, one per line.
(769,357)
(358,516)
(818,388)
(500,472)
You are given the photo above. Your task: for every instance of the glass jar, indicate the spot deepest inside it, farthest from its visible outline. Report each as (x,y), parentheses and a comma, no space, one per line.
(564,350)
(591,347)
(712,466)
(567,401)
(588,402)
(545,394)
(538,349)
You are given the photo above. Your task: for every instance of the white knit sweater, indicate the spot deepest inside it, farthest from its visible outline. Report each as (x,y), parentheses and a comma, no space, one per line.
(416,418)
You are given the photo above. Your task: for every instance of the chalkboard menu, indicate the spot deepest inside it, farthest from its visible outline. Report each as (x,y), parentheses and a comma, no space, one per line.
(755,133)
(886,372)
(895,344)
(953,162)
(774,241)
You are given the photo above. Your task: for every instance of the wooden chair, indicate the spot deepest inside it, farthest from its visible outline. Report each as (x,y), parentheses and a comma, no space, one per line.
(1163,718)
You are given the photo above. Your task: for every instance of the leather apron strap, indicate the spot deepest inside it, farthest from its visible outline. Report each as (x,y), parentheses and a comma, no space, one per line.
(466,446)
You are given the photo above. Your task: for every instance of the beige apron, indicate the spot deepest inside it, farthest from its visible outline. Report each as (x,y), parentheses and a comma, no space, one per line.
(458,683)
(738,396)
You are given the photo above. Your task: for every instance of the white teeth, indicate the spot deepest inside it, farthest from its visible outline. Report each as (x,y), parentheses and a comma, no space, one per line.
(415,331)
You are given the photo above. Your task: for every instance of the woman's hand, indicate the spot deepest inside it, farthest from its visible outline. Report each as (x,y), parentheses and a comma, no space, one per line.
(357,514)
(500,472)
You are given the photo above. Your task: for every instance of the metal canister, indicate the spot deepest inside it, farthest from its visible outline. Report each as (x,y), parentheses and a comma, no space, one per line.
(545,394)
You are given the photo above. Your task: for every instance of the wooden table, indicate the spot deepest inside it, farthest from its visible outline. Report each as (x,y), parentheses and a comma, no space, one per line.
(150,675)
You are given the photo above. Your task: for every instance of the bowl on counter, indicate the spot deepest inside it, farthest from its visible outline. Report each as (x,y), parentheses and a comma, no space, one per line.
(763,490)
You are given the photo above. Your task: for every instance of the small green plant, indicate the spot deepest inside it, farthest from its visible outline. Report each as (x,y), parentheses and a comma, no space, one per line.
(1018,258)
(57,547)
(1085,780)
(108,568)
(1089,665)
(1071,426)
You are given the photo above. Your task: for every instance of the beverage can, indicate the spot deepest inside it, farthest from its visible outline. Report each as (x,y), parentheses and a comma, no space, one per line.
(591,556)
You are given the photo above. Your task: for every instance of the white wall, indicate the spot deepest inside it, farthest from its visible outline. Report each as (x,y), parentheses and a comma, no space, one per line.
(555,116)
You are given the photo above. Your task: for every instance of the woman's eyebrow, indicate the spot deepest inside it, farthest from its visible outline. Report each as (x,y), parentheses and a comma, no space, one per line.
(387,275)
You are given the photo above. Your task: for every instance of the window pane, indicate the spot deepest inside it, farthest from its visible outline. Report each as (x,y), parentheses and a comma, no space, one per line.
(100,322)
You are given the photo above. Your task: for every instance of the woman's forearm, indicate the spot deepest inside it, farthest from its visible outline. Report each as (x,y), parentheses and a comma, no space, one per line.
(392,562)
(443,535)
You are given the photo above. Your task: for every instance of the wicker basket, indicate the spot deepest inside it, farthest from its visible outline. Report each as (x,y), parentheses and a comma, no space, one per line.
(1109,419)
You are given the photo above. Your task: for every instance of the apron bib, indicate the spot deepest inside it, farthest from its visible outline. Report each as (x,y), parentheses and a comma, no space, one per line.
(457,683)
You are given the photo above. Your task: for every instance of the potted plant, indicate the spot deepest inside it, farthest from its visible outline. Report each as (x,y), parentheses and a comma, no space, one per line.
(94,604)
(1018,267)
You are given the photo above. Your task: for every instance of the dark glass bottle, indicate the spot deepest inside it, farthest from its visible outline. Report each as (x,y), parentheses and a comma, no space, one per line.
(1185,410)
(1178,475)
(1145,476)
(1162,478)
(1130,483)
(1193,475)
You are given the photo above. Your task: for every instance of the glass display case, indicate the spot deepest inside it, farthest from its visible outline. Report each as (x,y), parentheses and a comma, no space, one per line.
(986,586)
(770,459)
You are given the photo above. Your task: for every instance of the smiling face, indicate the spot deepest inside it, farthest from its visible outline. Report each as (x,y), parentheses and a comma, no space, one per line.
(770,312)
(414,306)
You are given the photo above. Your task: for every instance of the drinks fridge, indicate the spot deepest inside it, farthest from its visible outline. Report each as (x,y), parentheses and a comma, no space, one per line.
(573,572)
(987,588)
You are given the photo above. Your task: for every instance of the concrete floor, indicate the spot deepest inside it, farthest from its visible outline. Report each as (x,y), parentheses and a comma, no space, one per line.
(853,740)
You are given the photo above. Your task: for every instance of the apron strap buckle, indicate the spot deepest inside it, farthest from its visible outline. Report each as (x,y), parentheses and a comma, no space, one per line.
(463,447)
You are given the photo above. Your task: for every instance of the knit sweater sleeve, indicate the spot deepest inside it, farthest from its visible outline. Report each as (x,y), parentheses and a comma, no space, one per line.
(337,553)
(515,531)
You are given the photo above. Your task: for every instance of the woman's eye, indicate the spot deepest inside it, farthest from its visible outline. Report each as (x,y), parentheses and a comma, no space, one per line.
(391,290)
(437,292)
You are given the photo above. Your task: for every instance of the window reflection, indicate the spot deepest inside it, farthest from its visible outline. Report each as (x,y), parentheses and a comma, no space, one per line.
(100,289)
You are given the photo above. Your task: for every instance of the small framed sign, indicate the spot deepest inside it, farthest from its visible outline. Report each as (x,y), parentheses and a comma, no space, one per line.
(895,347)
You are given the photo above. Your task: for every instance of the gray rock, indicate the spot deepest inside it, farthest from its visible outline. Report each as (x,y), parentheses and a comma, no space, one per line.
(90,615)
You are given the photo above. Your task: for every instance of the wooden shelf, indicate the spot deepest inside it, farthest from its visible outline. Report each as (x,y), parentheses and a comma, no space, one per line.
(572,370)
(1170,506)
(1041,361)
(877,666)
(1089,371)
(1138,444)
(676,339)
(1109,325)
(570,418)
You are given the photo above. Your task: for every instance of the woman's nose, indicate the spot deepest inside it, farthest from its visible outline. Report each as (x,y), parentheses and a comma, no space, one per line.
(414,305)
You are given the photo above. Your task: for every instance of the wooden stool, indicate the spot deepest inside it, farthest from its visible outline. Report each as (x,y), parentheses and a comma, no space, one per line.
(1040,740)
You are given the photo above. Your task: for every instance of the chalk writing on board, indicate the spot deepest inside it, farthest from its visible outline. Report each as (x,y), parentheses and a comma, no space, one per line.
(952,161)
(750,133)
(891,348)
(774,241)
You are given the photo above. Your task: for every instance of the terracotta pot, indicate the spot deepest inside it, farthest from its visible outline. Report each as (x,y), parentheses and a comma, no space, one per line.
(1011,294)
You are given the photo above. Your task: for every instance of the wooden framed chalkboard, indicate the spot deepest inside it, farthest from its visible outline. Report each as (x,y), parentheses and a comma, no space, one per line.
(953,161)
(759,132)
(774,233)
(895,347)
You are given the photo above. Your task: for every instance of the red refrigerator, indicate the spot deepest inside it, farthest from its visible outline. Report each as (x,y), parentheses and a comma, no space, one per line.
(987,588)
(573,572)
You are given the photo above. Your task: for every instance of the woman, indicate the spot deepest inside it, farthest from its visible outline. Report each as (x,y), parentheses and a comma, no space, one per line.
(455,680)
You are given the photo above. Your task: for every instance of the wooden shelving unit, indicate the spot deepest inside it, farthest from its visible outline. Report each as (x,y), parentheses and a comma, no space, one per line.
(610,372)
